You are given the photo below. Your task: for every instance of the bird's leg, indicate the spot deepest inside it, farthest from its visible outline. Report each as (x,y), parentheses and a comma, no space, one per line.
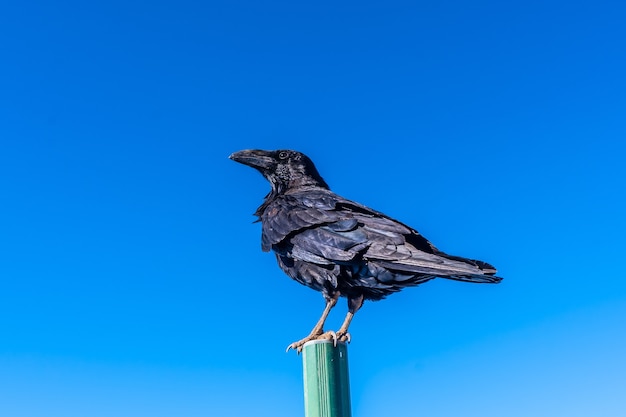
(318,330)
(354,304)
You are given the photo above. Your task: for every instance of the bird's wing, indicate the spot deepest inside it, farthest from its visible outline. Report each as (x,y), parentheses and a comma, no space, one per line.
(396,246)
(378,241)
(325,229)
(382,223)
(339,241)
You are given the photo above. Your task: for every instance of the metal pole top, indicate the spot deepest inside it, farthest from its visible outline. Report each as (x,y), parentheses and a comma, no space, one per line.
(326,382)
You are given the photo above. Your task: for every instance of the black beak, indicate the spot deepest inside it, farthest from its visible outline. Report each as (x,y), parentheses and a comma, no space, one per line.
(261,160)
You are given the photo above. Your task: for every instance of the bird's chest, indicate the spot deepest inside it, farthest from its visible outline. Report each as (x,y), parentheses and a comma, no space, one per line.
(274,227)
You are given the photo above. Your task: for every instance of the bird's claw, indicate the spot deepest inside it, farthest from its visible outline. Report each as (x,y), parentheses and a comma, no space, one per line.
(294,346)
(329,335)
(333,336)
(343,337)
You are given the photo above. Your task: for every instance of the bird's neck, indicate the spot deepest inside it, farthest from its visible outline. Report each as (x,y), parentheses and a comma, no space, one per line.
(282,189)
(305,181)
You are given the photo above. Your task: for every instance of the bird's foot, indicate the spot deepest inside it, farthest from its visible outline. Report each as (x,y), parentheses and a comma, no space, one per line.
(329,335)
(343,337)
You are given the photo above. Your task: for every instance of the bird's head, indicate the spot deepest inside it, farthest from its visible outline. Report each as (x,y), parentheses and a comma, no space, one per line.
(284,169)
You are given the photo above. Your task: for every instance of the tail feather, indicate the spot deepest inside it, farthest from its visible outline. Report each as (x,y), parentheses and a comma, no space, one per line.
(446,266)
(487,276)
(477,279)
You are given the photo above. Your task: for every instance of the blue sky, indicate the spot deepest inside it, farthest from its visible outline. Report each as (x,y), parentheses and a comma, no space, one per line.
(131,277)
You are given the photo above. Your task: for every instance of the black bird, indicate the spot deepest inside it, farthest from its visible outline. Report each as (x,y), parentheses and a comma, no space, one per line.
(340,247)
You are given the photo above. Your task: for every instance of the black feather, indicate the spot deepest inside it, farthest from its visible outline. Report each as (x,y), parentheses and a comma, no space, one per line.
(332,244)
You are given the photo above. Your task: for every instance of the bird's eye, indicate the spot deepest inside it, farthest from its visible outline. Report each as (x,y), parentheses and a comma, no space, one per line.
(282,155)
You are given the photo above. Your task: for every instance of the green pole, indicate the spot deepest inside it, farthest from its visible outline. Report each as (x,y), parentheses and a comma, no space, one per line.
(326,384)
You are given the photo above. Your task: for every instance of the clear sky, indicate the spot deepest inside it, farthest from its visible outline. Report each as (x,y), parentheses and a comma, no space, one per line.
(132,282)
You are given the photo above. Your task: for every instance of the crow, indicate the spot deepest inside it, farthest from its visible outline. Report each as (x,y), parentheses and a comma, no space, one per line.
(340,247)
